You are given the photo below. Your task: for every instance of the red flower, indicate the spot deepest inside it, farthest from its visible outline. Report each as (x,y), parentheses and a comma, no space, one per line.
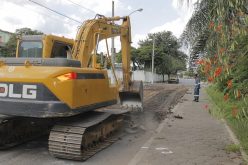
(207,67)
(219,27)
(229,84)
(206,106)
(226,96)
(217,71)
(211,25)
(235,111)
(200,61)
(210,79)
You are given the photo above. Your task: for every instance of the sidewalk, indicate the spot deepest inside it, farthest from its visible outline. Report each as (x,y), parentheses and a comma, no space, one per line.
(197,139)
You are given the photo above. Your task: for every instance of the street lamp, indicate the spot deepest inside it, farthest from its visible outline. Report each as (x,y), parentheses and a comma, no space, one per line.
(139,10)
(112,39)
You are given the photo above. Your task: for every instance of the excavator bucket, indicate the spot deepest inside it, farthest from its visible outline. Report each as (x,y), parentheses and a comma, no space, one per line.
(134,97)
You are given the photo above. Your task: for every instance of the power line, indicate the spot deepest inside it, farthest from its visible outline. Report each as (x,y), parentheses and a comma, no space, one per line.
(55,11)
(39,12)
(82,6)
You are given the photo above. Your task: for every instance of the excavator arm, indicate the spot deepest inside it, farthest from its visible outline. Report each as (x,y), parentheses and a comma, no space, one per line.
(87,39)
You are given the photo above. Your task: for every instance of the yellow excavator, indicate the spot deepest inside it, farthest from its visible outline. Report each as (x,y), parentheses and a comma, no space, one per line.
(68,94)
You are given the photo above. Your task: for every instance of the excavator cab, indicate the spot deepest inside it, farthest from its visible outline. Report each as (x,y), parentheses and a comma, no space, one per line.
(43,46)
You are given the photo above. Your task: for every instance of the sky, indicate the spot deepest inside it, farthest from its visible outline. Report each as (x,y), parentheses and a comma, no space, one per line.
(157,15)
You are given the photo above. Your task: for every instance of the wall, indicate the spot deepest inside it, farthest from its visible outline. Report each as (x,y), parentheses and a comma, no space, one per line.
(138,75)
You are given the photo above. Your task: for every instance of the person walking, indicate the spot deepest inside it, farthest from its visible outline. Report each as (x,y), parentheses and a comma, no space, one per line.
(197,88)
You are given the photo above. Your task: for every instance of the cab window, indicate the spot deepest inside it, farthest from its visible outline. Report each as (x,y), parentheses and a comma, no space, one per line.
(59,50)
(30,49)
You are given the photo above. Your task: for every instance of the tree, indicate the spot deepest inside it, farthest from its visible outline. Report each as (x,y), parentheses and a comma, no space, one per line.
(218,31)
(134,57)
(10,48)
(27,31)
(168,59)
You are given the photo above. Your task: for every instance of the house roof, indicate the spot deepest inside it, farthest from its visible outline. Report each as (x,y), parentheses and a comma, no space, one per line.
(5,31)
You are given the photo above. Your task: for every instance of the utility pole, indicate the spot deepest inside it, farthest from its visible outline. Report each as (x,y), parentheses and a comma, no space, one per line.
(112,39)
(153,47)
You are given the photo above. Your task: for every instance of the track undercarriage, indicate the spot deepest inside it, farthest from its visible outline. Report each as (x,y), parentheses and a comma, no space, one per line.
(82,139)
(17,130)
(74,138)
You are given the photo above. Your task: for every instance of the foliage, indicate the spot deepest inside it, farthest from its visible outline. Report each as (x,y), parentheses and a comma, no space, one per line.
(189,73)
(27,31)
(234,113)
(135,58)
(221,43)
(217,34)
(224,107)
(10,48)
(168,59)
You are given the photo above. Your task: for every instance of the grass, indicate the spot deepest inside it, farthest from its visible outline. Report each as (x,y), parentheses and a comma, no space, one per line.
(222,109)
(232,148)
